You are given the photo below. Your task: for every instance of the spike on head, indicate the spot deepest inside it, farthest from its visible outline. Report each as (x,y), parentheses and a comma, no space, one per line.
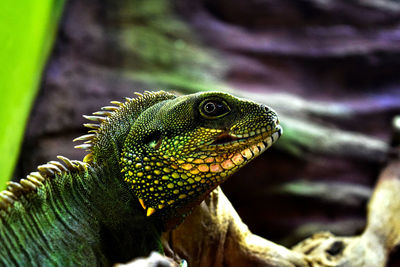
(180,149)
(88,158)
(108,133)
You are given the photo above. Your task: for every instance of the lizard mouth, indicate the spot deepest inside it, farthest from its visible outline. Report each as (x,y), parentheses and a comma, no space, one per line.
(235,150)
(260,135)
(224,138)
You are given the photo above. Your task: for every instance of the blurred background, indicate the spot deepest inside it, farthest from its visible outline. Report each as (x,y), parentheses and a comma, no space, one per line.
(330,68)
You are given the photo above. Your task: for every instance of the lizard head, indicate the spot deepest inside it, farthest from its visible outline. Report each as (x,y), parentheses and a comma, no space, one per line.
(180,149)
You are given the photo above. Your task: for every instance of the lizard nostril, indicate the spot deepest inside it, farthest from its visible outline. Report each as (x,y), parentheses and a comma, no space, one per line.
(265,107)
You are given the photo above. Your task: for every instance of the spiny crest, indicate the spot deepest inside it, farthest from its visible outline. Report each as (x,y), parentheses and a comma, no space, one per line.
(120,115)
(34,180)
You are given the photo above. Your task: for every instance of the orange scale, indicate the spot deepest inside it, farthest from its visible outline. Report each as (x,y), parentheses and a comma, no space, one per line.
(209,160)
(203,168)
(198,161)
(187,166)
(215,168)
(227,164)
(194,171)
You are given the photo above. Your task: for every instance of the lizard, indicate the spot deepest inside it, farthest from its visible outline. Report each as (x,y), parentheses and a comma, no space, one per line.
(150,160)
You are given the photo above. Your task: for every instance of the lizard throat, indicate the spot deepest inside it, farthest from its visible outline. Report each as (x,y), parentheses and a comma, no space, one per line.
(162,181)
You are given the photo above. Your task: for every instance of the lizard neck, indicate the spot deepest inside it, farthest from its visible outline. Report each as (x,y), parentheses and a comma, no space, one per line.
(88,216)
(124,230)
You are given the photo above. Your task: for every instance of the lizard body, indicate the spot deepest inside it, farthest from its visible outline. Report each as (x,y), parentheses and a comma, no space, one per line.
(151,160)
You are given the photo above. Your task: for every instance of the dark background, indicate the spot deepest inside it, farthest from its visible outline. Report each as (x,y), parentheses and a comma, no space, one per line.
(330,68)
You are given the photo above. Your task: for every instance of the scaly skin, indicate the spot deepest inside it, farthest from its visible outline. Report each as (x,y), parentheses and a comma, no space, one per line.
(151,160)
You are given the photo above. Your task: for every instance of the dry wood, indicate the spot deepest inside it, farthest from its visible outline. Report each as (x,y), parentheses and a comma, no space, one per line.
(214,235)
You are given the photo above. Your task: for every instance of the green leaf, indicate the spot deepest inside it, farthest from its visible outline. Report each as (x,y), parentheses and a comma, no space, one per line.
(27,32)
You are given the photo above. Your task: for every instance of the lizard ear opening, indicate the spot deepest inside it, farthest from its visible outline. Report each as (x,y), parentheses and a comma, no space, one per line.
(154,140)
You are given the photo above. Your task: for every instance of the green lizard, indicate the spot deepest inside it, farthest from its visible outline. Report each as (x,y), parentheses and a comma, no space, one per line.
(151,160)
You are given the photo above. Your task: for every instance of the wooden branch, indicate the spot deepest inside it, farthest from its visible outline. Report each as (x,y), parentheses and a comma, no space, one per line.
(380,237)
(214,235)
(384,208)
(153,260)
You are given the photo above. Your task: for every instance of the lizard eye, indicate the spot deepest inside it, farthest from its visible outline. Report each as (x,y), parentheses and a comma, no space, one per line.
(209,107)
(212,108)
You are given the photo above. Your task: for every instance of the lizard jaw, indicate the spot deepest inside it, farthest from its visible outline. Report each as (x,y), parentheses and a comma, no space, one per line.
(257,147)
(244,150)
(230,139)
